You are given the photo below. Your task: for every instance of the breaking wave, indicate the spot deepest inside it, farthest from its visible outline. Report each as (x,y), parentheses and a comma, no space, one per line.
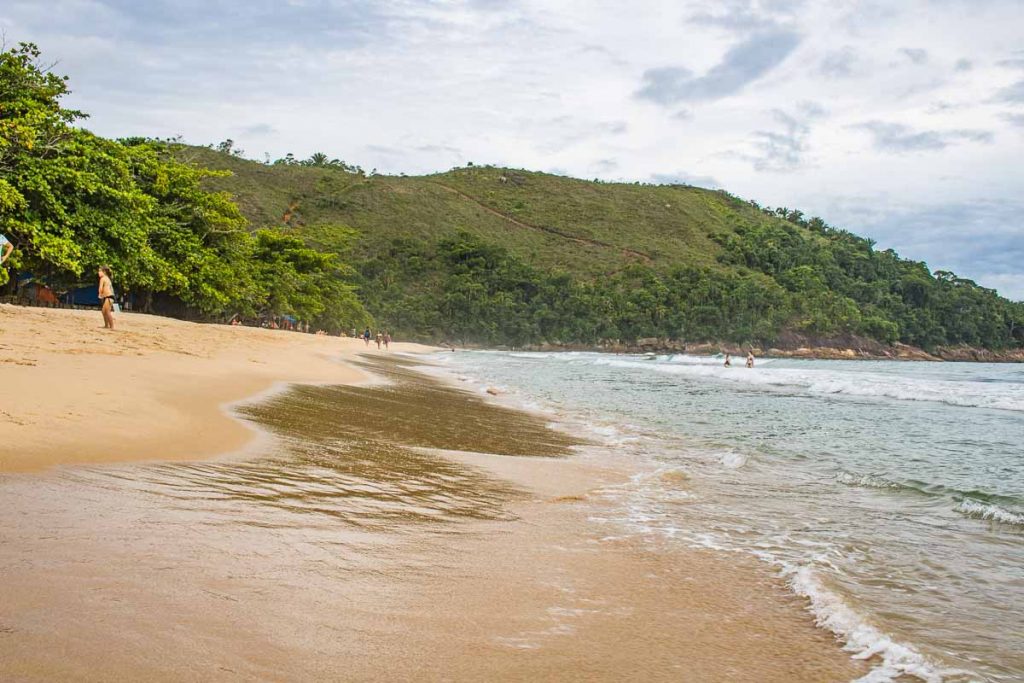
(990,512)
(896,660)
(845,383)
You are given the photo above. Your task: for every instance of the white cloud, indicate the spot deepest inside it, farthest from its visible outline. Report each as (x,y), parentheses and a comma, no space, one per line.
(415,86)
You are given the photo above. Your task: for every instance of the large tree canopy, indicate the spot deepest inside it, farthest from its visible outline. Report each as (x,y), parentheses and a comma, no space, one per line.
(71,201)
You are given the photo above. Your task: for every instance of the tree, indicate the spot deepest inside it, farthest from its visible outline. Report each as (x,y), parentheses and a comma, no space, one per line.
(33,128)
(68,199)
(300,281)
(317,159)
(203,234)
(71,201)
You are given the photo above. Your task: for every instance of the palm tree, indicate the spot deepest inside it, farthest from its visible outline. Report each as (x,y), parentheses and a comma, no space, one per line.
(317,159)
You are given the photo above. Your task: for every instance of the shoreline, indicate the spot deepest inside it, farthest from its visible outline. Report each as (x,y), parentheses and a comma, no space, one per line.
(154,389)
(838,478)
(279,574)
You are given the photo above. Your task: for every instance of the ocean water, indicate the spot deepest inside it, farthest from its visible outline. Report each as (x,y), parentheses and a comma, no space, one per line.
(889,494)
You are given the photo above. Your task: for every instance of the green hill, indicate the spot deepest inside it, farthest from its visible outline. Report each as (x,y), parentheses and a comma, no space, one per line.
(497,255)
(589,228)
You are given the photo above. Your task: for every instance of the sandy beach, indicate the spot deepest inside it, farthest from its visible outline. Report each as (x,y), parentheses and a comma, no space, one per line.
(401,529)
(151,390)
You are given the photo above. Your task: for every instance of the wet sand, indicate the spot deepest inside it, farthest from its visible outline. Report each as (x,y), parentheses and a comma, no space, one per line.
(403,530)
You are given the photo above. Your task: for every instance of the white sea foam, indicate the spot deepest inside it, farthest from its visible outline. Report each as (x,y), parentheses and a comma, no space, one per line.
(535,407)
(891,660)
(547,355)
(715,361)
(692,360)
(989,511)
(607,434)
(733,459)
(866,481)
(895,660)
(860,636)
(840,382)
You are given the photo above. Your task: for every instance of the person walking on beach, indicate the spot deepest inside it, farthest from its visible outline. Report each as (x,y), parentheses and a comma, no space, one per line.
(366,336)
(750,359)
(728,363)
(387,340)
(380,339)
(106,295)
(6,248)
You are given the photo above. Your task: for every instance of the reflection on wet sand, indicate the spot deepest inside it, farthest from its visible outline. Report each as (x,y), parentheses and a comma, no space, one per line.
(346,552)
(350,454)
(408,411)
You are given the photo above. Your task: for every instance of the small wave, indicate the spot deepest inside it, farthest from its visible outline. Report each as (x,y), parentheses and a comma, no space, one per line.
(671,474)
(716,360)
(868,481)
(990,512)
(863,639)
(612,435)
(896,660)
(535,407)
(845,383)
(545,355)
(974,501)
(685,359)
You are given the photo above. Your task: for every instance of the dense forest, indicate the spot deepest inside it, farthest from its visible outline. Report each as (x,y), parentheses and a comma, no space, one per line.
(478,254)
(462,288)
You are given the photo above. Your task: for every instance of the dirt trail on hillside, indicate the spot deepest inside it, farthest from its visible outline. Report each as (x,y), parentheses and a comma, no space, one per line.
(518,223)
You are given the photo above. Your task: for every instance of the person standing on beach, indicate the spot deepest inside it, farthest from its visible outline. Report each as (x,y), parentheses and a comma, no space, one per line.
(6,248)
(750,359)
(106,295)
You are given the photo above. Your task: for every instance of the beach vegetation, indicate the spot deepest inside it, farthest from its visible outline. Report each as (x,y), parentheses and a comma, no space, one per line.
(71,201)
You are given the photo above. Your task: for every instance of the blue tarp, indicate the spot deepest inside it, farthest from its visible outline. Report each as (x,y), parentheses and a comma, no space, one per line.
(83,296)
(80,296)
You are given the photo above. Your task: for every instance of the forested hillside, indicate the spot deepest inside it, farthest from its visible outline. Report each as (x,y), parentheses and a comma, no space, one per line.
(502,256)
(478,254)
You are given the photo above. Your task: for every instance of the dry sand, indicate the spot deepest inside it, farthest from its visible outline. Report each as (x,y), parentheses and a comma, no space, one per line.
(152,389)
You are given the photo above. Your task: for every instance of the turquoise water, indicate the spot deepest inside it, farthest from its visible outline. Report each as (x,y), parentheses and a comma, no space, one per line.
(890,494)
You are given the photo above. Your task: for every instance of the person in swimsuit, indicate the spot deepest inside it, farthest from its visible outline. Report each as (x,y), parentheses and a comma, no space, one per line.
(387,340)
(106,294)
(728,363)
(380,339)
(750,359)
(366,336)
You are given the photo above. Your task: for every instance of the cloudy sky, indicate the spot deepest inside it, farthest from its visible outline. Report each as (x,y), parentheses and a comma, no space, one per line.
(901,120)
